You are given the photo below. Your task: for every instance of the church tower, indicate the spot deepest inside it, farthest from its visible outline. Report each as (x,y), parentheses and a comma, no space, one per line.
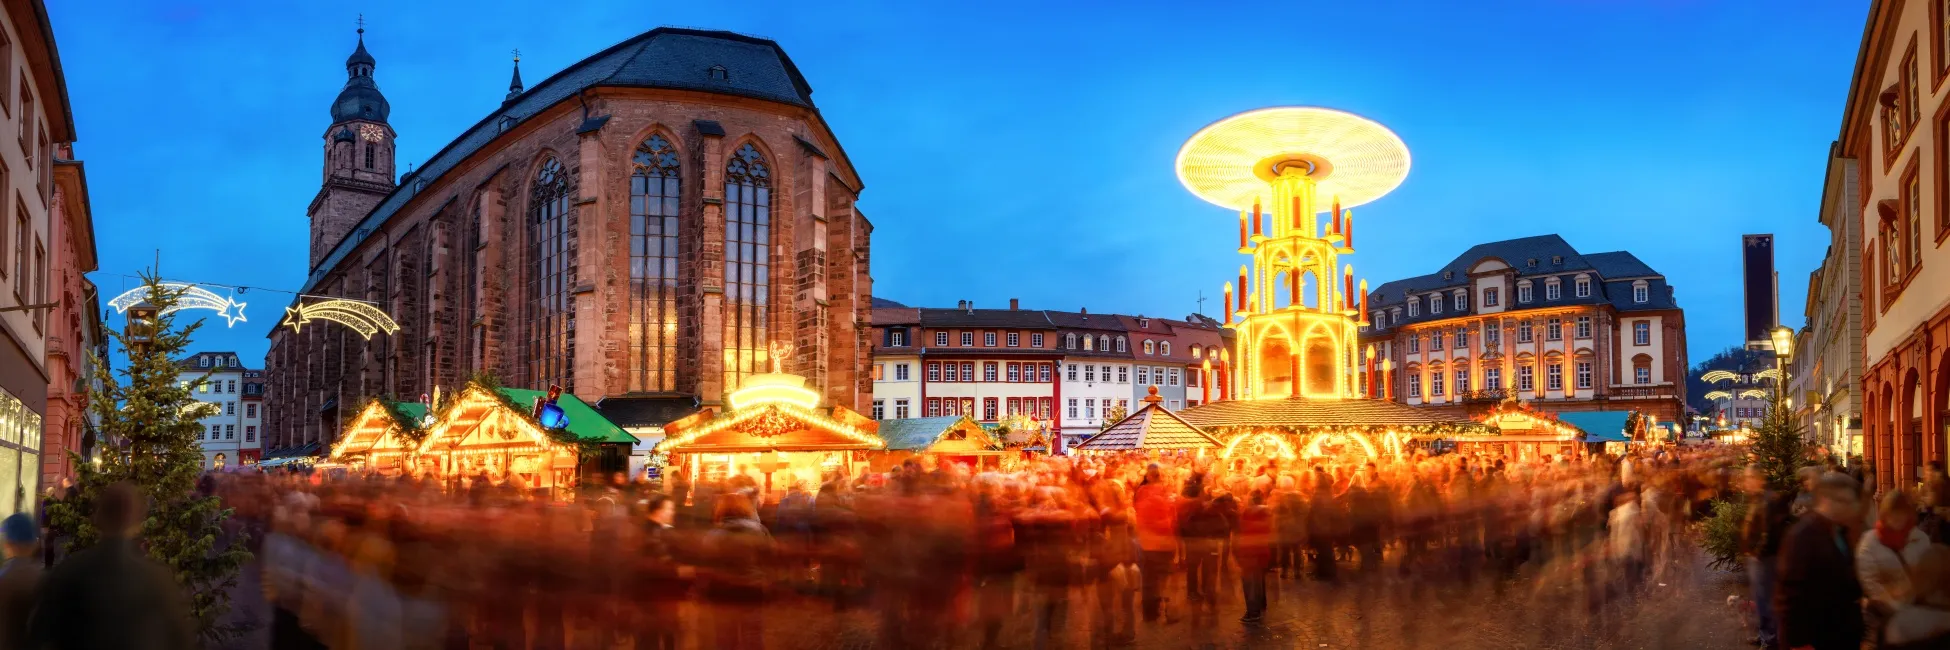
(358,156)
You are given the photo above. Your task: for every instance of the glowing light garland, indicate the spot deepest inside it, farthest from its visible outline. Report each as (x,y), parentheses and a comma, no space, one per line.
(737,417)
(1752,393)
(1770,373)
(1260,444)
(1719,375)
(192,297)
(361,317)
(1718,395)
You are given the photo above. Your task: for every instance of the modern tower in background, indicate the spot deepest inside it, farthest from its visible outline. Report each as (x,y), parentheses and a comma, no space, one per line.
(1760,290)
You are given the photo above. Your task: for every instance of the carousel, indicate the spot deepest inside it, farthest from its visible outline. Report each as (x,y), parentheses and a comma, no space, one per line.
(534,438)
(773,428)
(1152,429)
(1296,385)
(380,438)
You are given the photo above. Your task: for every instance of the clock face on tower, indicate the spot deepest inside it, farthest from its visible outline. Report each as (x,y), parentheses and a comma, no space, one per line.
(371,132)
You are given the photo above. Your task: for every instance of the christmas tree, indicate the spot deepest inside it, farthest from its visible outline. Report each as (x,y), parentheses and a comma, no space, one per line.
(1778,448)
(148,422)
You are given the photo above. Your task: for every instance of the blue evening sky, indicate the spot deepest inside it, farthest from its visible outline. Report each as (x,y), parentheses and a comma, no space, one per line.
(1024,149)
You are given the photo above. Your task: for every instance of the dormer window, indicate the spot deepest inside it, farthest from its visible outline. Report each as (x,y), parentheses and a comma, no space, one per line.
(1414,307)
(1582,286)
(1553,290)
(507,122)
(1150,347)
(1144,323)
(1122,345)
(1462,300)
(1641,292)
(1524,293)
(1532,263)
(1165,348)
(1435,303)
(1557,260)
(719,73)
(203,362)
(1447,275)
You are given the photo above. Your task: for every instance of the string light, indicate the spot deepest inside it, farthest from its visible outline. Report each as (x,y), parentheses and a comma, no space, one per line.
(1260,438)
(1718,395)
(735,418)
(1752,393)
(361,317)
(1718,375)
(189,296)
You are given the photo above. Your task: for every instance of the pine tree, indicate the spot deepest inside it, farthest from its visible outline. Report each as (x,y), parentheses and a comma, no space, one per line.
(1778,448)
(148,421)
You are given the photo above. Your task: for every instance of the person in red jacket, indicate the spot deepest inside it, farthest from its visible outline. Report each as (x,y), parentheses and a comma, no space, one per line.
(1157,533)
(1253,550)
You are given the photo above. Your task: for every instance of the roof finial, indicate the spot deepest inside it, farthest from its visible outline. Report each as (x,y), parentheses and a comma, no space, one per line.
(514,85)
(362,27)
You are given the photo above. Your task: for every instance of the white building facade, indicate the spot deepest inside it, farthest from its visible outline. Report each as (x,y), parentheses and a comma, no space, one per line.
(223,388)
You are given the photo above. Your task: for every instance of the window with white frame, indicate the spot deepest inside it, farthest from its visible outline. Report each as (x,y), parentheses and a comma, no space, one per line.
(1121,345)
(1523,292)
(1435,304)
(900,372)
(1036,339)
(1165,348)
(1171,376)
(1414,305)
(1462,381)
(1073,408)
(1582,286)
(988,339)
(880,409)
(1523,331)
(1641,292)
(1641,332)
(988,371)
(1414,385)
(1492,333)
(1554,329)
(1641,375)
(1461,300)
(1015,339)
(1195,351)
(1584,327)
(1380,321)
(1015,372)
(1435,384)
(1414,344)
(953,373)
(968,339)
(1103,342)
(1553,290)
(1489,297)
(941,339)
(230,432)
(934,372)
(1554,377)
(1089,342)
(1069,341)
(1526,378)
(1584,374)
(1492,378)
(1042,373)
(1150,347)
(1070,373)
(215,430)
(1144,375)
(1436,340)
(229,408)
(1462,338)
(1089,372)
(900,409)
(1123,374)
(1089,408)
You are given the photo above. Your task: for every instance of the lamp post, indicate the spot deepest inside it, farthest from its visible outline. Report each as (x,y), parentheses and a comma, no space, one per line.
(140,330)
(1783,348)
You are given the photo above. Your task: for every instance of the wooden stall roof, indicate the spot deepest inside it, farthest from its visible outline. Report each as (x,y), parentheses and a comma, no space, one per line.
(955,435)
(1303,412)
(1152,427)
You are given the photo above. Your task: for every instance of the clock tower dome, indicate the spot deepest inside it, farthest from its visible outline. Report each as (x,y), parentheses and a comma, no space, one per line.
(358,156)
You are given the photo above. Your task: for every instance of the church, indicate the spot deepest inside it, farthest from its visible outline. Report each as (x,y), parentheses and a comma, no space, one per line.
(639,229)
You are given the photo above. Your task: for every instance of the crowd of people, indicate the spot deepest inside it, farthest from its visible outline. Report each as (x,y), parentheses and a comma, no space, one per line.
(1117,545)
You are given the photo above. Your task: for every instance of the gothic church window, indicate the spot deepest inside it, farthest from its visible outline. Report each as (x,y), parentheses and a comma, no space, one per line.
(747,272)
(552,251)
(654,192)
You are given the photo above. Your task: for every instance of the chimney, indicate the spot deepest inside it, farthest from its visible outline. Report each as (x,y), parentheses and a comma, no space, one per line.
(971,306)
(1085,311)
(1014,304)
(962,304)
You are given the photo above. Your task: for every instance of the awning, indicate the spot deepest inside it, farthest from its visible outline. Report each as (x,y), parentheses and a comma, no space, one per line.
(1600,426)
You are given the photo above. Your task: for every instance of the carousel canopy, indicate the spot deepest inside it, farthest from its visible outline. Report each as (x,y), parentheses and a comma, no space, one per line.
(940,435)
(1600,426)
(1303,412)
(1152,427)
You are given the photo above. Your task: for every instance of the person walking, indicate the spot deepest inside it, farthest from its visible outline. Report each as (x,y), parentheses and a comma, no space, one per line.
(1157,534)
(1884,559)
(1202,528)
(735,586)
(1817,602)
(661,582)
(20,578)
(1253,550)
(111,595)
(1760,540)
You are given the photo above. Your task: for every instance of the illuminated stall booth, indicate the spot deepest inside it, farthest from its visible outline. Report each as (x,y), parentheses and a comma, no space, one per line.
(493,431)
(1335,431)
(381,437)
(774,429)
(1515,431)
(1606,432)
(936,440)
(1152,428)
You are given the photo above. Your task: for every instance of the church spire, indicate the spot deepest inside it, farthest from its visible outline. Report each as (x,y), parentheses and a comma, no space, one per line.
(514,85)
(360,99)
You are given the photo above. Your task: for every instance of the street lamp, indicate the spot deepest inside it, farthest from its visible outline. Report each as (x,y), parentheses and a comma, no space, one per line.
(1783,348)
(140,330)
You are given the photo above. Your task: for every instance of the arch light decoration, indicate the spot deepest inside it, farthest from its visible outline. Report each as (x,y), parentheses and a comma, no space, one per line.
(1770,373)
(1313,447)
(191,297)
(361,317)
(1752,393)
(1262,442)
(1718,395)
(1718,375)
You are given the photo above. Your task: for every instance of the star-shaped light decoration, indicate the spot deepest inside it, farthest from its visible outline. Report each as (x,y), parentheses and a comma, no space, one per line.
(233,312)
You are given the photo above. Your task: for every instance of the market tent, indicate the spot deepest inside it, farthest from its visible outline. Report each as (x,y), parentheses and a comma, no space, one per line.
(1150,428)
(1600,426)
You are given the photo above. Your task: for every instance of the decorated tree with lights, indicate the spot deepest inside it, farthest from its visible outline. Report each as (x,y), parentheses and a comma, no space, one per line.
(1778,448)
(148,417)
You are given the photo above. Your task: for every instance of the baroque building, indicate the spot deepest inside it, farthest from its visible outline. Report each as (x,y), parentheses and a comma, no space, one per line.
(1896,129)
(1534,319)
(1826,368)
(638,229)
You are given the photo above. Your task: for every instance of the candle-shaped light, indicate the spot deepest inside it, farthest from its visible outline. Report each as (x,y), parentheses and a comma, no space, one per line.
(1337,216)
(1242,284)
(1348,233)
(1347,296)
(1295,219)
(1242,287)
(1228,303)
(1205,382)
(1293,283)
(1364,302)
(1370,373)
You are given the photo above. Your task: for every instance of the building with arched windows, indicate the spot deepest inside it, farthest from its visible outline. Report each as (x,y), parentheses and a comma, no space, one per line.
(1536,320)
(640,229)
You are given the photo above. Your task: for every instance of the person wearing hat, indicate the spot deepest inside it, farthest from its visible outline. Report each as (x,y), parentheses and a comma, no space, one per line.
(20,578)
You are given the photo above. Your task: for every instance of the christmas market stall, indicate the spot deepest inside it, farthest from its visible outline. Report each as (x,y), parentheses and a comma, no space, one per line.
(773,428)
(950,439)
(381,437)
(1152,428)
(1521,433)
(1604,431)
(540,439)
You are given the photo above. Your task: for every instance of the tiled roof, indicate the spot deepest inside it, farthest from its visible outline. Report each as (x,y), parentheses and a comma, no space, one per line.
(665,57)
(1307,412)
(998,318)
(916,434)
(896,316)
(883,303)
(1152,427)
(1081,320)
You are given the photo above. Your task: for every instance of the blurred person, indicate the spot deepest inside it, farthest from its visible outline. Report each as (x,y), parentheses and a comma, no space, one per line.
(111,596)
(1201,529)
(1290,524)
(1924,624)
(1627,544)
(735,584)
(1935,520)
(661,582)
(1817,602)
(20,578)
(1157,533)
(1253,550)
(1765,526)
(1884,558)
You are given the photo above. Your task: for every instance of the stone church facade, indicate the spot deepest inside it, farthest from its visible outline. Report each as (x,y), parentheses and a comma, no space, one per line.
(641,226)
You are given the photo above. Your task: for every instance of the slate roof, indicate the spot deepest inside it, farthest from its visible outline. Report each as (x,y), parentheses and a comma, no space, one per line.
(1613,275)
(993,318)
(1083,320)
(1308,412)
(665,57)
(883,303)
(1152,427)
(646,410)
